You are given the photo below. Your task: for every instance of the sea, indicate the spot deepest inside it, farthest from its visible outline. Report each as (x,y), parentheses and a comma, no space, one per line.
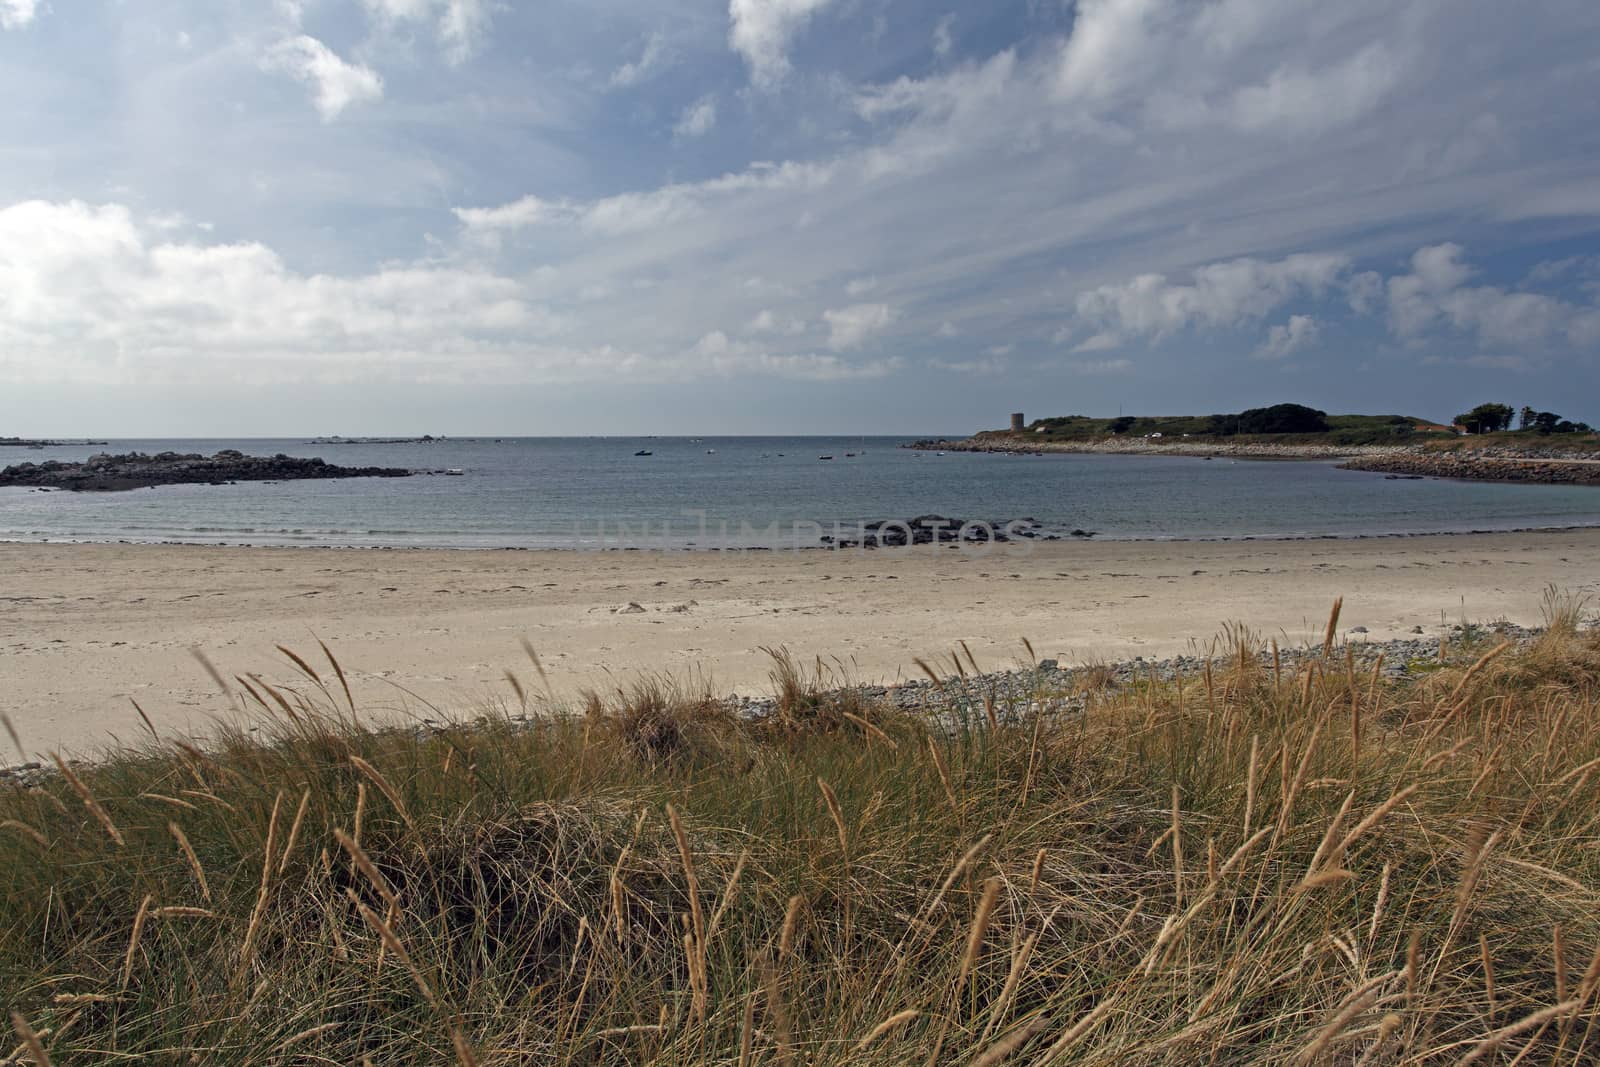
(597,493)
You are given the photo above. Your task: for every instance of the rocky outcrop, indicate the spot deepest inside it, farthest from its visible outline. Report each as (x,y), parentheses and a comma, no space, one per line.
(1481,467)
(135,470)
(940,529)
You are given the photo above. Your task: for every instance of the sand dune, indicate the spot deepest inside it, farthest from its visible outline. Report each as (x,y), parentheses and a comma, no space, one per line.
(86,629)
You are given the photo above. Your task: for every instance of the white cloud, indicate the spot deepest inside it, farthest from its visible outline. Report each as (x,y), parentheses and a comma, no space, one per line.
(93,293)
(988,366)
(1188,65)
(760,31)
(766,322)
(987,109)
(1101,366)
(1555,270)
(1365,292)
(527,211)
(1414,298)
(698,118)
(943,40)
(1222,295)
(1297,101)
(850,327)
(958,95)
(815,367)
(714,343)
(335,84)
(17,13)
(1299,332)
(1111,45)
(860,286)
(667,205)
(634,72)
(715,352)
(461,25)
(1435,294)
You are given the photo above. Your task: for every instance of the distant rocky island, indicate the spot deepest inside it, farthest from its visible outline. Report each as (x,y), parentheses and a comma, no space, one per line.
(425,439)
(26,442)
(104,473)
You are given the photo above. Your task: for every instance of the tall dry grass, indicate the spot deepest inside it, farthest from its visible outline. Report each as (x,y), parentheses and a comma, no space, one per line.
(1269,864)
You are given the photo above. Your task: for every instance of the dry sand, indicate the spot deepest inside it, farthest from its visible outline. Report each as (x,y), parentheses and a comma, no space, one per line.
(86,629)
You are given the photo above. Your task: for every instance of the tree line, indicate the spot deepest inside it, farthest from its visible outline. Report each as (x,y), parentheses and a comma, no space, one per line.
(1493,418)
(1279,418)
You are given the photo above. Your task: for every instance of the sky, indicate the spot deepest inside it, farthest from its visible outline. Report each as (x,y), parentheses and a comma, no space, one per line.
(261,217)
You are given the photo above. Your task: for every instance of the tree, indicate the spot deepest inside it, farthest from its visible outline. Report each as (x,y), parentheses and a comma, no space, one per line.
(1528,415)
(1282,418)
(1487,418)
(1121,424)
(1549,422)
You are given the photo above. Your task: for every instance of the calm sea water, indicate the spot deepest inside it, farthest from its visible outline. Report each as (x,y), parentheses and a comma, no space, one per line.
(748,491)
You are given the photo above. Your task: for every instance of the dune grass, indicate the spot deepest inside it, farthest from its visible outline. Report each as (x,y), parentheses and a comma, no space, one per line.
(1257,865)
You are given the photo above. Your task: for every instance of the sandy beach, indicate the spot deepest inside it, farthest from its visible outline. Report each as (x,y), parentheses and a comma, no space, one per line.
(87,629)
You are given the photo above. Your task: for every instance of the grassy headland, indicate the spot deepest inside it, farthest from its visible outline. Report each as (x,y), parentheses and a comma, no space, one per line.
(1277,860)
(1396,444)
(1341,430)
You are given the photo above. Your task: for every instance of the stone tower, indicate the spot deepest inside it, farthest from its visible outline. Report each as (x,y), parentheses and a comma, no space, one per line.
(1018,422)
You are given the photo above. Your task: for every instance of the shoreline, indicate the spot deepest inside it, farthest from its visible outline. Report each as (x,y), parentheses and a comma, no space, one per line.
(88,629)
(1140,446)
(1462,463)
(1474,467)
(695,550)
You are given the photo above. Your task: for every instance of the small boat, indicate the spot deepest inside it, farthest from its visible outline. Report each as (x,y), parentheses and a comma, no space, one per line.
(644,452)
(849,455)
(938,453)
(455,471)
(824,457)
(711,451)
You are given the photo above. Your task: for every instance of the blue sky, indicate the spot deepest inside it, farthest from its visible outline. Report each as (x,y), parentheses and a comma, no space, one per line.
(747,216)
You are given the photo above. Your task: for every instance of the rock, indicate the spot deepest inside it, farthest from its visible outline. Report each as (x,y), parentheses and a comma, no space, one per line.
(102,472)
(1048,665)
(934,529)
(633,608)
(1494,464)
(1358,629)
